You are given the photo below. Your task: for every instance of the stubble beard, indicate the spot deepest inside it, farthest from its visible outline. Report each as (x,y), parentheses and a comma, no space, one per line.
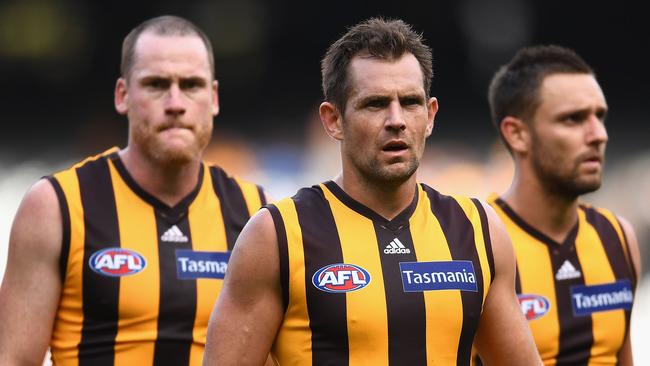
(158,151)
(388,176)
(568,185)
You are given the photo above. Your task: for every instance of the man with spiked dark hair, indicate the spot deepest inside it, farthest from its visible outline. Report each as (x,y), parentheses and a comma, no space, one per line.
(372,268)
(577,265)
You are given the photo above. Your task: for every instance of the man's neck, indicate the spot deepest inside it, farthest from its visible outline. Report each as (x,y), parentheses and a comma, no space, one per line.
(168,183)
(550,213)
(385,199)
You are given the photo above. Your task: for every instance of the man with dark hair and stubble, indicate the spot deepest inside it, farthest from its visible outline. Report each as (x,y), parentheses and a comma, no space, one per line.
(119,259)
(372,268)
(577,265)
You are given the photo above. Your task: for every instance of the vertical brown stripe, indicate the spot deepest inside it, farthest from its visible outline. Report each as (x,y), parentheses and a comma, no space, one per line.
(283,251)
(575,343)
(405,310)
(629,256)
(460,236)
(611,244)
(485,226)
(65,220)
(327,311)
(233,204)
(177,308)
(260,191)
(100,293)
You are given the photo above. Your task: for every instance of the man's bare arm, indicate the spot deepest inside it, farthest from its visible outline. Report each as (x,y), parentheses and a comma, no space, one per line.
(625,354)
(249,310)
(31,286)
(503,336)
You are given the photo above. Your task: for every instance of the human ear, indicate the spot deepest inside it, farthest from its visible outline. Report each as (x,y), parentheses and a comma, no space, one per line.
(432,109)
(215,98)
(516,134)
(332,120)
(121,96)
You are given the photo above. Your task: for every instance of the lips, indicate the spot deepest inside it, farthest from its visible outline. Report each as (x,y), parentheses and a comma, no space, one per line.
(592,157)
(171,126)
(395,145)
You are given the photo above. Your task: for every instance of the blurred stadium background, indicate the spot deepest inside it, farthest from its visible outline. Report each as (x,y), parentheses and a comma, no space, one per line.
(59,60)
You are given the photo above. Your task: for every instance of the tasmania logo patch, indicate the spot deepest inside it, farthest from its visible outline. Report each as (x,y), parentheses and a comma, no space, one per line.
(533,306)
(192,264)
(340,277)
(442,275)
(117,262)
(587,300)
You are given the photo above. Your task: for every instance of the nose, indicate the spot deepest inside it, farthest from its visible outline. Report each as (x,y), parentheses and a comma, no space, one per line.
(395,118)
(175,104)
(597,133)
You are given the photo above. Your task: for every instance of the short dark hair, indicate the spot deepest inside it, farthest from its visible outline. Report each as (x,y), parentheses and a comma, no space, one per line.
(378,38)
(514,89)
(166,25)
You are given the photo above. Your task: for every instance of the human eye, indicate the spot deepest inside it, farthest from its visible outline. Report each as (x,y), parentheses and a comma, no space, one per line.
(192,83)
(375,103)
(411,101)
(601,115)
(156,83)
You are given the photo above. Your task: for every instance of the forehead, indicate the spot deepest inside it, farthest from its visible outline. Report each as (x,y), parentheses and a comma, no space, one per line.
(376,76)
(571,91)
(170,54)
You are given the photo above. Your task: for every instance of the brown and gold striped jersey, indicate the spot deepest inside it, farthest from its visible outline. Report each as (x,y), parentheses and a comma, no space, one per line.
(140,278)
(362,290)
(578,294)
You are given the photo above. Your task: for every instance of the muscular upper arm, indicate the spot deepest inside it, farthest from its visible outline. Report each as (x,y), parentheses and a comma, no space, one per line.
(31,286)
(625,354)
(249,310)
(633,245)
(502,327)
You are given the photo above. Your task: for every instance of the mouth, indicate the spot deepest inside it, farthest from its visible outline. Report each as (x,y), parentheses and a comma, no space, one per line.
(174,126)
(593,158)
(395,146)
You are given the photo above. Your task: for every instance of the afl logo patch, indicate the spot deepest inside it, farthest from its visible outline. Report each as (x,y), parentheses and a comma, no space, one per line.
(117,262)
(533,306)
(340,277)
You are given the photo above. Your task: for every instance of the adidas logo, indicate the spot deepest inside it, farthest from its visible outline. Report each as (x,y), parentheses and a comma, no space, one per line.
(396,247)
(567,271)
(174,235)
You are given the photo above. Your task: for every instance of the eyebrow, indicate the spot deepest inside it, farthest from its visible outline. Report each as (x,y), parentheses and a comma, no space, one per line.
(383,98)
(195,79)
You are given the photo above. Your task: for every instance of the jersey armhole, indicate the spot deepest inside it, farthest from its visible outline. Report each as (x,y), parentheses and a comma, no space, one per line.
(65,222)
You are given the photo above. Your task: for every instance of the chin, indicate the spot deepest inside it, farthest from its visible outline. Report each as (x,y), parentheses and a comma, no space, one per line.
(176,156)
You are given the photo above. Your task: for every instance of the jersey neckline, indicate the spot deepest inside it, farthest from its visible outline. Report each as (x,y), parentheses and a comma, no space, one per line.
(172,214)
(397,223)
(532,231)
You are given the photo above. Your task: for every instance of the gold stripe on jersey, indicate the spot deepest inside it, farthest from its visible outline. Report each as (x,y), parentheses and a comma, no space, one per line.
(442,315)
(66,334)
(252,194)
(295,329)
(137,227)
(365,347)
(596,270)
(212,237)
(535,259)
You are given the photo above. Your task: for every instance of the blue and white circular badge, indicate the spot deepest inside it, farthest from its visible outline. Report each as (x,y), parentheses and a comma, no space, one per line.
(117,262)
(340,277)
